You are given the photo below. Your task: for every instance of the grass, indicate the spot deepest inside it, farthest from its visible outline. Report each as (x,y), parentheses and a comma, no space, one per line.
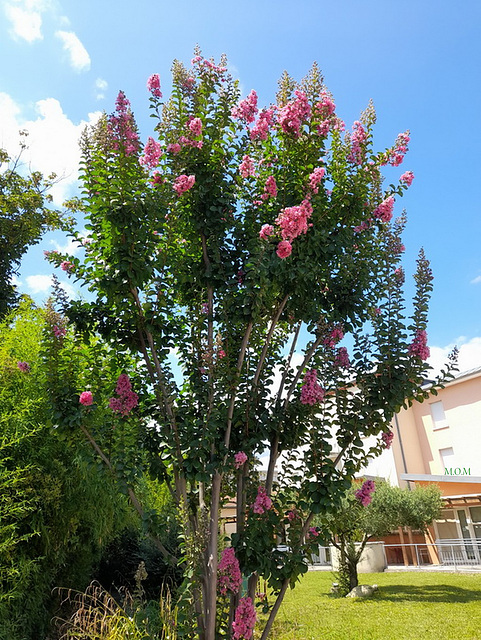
(408,606)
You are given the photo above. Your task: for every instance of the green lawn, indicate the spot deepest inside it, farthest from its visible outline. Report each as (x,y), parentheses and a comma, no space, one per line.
(408,606)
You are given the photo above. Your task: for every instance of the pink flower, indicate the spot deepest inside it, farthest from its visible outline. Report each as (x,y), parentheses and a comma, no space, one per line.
(229,574)
(59,332)
(67,266)
(260,130)
(292,116)
(284,249)
(152,153)
(395,155)
(334,337)
(342,358)
(325,106)
(407,177)
(270,188)
(293,220)
(221,353)
(246,167)
(240,459)
(153,85)
(157,178)
(419,346)
(358,143)
(311,391)
(262,502)
(246,109)
(86,398)
(174,148)
(244,620)
(384,210)
(127,399)
(195,126)
(121,127)
(313,532)
(387,438)
(364,493)
(291,516)
(315,178)
(23,366)
(266,231)
(183,183)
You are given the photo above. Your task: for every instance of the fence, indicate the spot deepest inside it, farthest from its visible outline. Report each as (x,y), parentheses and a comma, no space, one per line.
(456,553)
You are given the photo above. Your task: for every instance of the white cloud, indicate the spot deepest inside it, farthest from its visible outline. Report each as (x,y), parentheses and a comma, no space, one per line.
(39,283)
(52,141)
(26,23)
(70,246)
(101,86)
(469,354)
(42,283)
(79,57)
(476,280)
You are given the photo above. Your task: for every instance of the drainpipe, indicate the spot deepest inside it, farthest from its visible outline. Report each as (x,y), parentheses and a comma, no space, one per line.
(398,431)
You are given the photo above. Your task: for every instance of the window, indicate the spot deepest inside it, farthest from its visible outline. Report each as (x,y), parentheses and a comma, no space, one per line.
(438,416)
(447,458)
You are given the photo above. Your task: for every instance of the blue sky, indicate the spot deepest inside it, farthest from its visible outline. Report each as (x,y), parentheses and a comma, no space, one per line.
(418,60)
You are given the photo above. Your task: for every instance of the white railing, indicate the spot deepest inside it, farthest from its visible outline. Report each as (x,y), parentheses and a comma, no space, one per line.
(456,553)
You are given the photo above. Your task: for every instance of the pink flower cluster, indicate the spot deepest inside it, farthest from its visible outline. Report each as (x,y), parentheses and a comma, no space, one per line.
(266,231)
(246,109)
(260,130)
(86,398)
(246,167)
(364,494)
(395,155)
(316,178)
(174,148)
(311,391)
(387,438)
(195,126)
(419,346)
(67,266)
(384,210)
(229,573)
(188,142)
(284,249)
(183,183)
(293,220)
(334,337)
(341,359)
(244,619)
(122,126)
(313,532)
(407,177)
(153,85)
(59,332)
(325,108)
(262,502)
(127,399)
(270,188)
(358,141)
(240,459)
(23,366)
(208,64)
(151,155)
(294,114)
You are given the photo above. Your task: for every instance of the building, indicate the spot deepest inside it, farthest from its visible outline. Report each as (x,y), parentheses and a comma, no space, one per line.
(439,441)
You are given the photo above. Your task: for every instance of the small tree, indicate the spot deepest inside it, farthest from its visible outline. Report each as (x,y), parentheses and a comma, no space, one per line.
(24,217)
(372,511)
(237,239)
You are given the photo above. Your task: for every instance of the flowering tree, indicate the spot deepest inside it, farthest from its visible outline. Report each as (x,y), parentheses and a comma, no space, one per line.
(374,510)
(232,254)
